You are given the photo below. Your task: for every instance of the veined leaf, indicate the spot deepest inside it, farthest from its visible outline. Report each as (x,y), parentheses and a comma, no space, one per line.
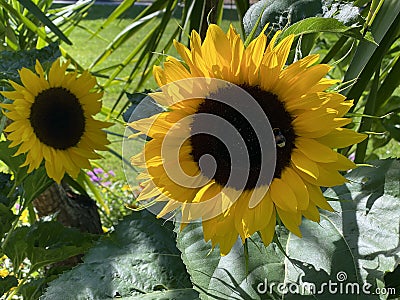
(230,276)
(357,244)
(136,260)
(319,24)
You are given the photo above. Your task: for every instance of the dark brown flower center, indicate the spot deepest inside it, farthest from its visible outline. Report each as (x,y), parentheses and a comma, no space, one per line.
(208,144)
(57,118)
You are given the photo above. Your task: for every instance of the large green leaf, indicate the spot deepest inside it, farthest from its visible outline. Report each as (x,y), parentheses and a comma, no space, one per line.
(359,241)
(230,277)
(279,13)
(139,258)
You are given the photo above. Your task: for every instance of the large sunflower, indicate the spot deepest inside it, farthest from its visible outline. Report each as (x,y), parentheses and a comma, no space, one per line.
(305,120)
(52,119)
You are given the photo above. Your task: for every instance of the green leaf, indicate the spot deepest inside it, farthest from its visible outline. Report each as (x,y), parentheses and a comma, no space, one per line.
(6,219)
(389,85)
(139,258)
(360,240)
(166,295)
(16,248)
(227,277)
(13,162)
(319,24)
(119,10)
(6,184)
(279,13)
(11,61)
(45,243)
(33,289)
(363,64)
(7,283)
(32,184)
(36,183)
(49,242)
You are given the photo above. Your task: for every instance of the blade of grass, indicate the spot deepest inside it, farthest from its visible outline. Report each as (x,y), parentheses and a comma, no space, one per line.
(391,82)
(366,123)
(129,58)
(359,87)
(335,49)
(28,23)
(28,4)
(379,28)
(119,10)
(123,36)
(148,52)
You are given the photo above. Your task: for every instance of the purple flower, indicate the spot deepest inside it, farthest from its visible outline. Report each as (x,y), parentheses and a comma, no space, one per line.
(90,173)
(111,172)
(98,171)
(94,179)
(106,183)
(352,156)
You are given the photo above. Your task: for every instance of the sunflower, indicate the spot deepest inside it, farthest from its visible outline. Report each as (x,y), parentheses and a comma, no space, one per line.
(52,119)
(189,167)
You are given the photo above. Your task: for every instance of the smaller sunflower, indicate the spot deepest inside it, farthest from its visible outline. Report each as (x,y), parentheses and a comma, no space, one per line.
(53,119)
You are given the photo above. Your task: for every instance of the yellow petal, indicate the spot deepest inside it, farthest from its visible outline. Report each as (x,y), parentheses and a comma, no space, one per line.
(267,233)
(342,163)
(318,198)
(341,137)
(311,212)
(282,195)
(305,165)
(315,151)
(291,220)
(298,187)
